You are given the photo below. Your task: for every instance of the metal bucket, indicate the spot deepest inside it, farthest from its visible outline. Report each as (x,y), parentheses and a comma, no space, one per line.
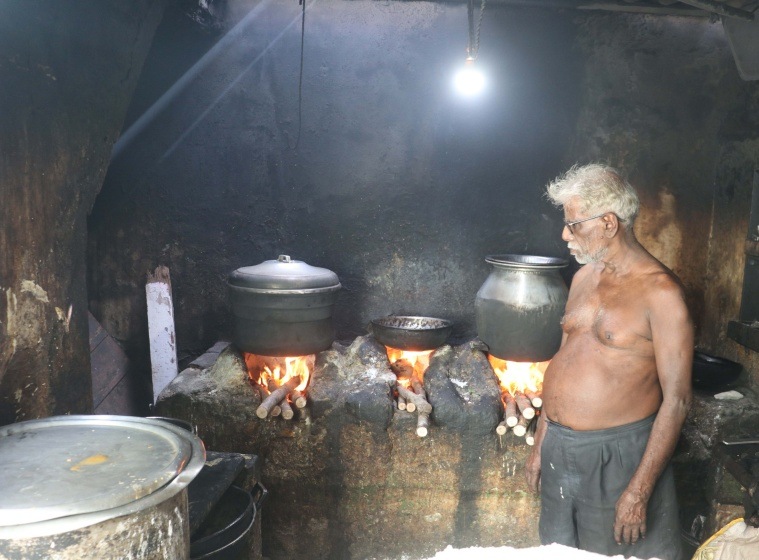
(227,533)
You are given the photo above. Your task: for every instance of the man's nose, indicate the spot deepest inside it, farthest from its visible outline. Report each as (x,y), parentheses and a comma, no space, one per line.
(566,235)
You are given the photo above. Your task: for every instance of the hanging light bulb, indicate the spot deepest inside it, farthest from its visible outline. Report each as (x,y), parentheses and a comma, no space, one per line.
(470,80)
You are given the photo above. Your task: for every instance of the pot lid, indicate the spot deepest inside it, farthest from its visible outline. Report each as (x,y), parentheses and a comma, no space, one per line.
(284,274)
(526,261)
(80,470)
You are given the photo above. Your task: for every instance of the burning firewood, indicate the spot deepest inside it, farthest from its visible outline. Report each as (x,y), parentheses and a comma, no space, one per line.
(411,397)
(535,398)
(276,397)
(402,368)
(510,416)
(524,405)
(298,399)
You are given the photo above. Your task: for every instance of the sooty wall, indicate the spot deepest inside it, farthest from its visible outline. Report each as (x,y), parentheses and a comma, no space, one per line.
(382,173)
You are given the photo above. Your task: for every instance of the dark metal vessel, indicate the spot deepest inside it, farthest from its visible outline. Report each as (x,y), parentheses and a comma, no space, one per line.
(283,307)
(520,306)
(405,332)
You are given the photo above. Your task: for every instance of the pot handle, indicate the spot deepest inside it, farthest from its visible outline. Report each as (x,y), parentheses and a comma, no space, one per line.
(284,258)
(259,493)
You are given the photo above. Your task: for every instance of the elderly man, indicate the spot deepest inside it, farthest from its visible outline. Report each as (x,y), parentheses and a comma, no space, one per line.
(617,392)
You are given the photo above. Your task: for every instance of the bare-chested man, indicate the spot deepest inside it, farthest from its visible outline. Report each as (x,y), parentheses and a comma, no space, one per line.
(617,392)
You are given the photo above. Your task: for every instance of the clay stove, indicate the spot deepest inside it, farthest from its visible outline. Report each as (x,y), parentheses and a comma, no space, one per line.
(346,476)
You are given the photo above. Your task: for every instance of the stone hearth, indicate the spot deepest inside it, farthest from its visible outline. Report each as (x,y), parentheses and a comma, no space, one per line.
(349,478)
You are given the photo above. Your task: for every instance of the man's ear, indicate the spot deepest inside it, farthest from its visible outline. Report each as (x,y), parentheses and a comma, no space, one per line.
(611,225)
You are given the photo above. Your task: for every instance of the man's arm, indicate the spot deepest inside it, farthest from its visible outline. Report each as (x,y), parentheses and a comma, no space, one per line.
(672,335)
(532,466)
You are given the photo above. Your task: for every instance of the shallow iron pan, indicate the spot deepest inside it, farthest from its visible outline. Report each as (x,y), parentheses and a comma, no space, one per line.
(409,332)
(712,372)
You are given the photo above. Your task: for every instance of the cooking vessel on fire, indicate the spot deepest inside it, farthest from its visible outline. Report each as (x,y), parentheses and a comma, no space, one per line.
(96,486)
(407,332)
(519,307)
(283,307)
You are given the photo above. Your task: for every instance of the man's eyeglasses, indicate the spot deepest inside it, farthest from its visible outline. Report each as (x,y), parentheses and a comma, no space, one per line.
(570,225)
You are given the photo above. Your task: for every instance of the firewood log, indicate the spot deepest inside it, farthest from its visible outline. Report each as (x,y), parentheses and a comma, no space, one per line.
(287,410)
(422,424)
(276,397)
(418,387)
(401,403)
(510,415)
(298,399)
(524,405)
(535,398)
(412,398)
(502,428)
(521,428)
(529,437)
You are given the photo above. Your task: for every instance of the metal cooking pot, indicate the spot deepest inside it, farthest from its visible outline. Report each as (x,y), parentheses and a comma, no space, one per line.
(413,333)
(283,307)
(519,307)
(102,487)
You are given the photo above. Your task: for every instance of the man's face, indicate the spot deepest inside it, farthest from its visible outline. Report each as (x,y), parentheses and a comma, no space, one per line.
(584,239)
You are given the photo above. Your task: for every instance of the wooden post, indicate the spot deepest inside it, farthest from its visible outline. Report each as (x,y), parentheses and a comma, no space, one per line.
(163,349)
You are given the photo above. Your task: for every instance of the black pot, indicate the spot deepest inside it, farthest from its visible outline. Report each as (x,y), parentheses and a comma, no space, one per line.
(413,333)
(283,307)
(712,373)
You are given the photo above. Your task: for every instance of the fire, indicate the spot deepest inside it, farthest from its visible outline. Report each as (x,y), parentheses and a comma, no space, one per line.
(416,363)
(279,370)
(519,376)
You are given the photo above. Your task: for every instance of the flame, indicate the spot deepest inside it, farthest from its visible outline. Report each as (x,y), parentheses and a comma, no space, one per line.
(263,369)
(519,376)
(419,361)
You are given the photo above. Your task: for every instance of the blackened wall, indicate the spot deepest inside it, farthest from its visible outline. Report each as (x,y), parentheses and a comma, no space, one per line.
(67,72)
(388,177)
(383,174)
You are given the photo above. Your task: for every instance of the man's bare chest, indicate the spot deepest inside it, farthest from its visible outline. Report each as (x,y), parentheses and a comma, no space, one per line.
(613,317)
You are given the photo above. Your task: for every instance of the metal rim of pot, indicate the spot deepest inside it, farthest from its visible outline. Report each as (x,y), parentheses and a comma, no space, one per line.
(59,525)
(526,261)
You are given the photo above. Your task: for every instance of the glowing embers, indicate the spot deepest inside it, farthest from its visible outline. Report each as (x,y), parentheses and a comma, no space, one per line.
(521,385)
(282,382)
(409,368)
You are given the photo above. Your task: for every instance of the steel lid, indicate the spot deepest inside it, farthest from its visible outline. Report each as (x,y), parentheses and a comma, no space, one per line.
(283,275)
(66,472)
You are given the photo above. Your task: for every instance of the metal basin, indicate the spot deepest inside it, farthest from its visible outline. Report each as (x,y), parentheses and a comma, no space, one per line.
(409,332)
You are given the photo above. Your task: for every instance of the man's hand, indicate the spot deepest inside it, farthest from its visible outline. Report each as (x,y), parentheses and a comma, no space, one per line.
(532,468)
(630,520)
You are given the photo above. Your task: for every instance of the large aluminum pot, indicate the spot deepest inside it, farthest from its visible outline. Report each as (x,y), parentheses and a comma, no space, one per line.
(520,306)
(106,487)
(283,307)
